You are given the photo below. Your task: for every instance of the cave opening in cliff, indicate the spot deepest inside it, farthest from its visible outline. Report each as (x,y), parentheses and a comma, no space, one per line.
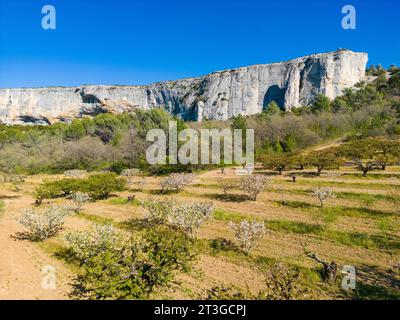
(274,93)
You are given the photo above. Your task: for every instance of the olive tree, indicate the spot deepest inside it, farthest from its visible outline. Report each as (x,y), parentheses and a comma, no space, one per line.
(278,162)
(325,159)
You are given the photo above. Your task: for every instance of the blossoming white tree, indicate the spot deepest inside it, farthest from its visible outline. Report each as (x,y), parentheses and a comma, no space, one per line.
(176,181)
(42,224)
(187,217)
(140,183)
(323,194)
(254,184)
(226,185)
(248,233)
(99,238)
(79,199)
(133,178)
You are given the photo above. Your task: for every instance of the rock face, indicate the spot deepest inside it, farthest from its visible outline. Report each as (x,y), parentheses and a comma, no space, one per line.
(220,95)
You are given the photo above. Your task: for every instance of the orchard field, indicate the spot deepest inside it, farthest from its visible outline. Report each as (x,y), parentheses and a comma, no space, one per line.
(357,225)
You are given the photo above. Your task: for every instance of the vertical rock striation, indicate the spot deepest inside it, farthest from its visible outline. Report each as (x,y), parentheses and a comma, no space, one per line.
(219,95)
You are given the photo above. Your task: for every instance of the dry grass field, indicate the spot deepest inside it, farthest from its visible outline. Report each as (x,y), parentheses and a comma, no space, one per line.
(359,227)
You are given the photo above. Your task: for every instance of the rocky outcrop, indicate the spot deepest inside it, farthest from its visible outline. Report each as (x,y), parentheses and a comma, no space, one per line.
(220,95)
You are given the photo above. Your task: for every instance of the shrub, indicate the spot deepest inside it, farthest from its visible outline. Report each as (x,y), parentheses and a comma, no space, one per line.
(282,283)
(108,261)
(129,175)
(176,181)
(140,183)
(226,185)
(79,199)
(116,267)
(95,241)
(248,233)
(272,108)
(321,103)
(55,189)
(253,185)
(97,186)
(42,224)
(157,211)
(100,186)
(187,217)
(167,251)
(323,194)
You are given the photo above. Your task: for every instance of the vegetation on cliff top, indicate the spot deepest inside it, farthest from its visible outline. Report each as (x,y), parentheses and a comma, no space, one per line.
(116,142)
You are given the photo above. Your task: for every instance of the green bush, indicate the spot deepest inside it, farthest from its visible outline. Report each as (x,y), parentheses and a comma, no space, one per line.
(116,267)
(56,189)
(97,186)
(168,251)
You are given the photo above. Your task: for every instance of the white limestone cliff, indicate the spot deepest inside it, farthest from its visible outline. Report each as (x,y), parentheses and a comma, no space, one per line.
(220,95)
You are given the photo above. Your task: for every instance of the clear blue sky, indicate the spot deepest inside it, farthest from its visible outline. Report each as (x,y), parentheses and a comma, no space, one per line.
(138,42)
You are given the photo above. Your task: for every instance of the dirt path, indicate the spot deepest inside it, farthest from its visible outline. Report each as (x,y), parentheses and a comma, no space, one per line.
(21,261)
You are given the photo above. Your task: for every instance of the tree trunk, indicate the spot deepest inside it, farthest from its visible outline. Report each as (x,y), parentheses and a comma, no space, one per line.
(330,269)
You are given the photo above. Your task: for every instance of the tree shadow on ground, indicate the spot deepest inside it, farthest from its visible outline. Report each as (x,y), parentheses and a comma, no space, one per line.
(296,204)
(310,174)
(135,190)
(9,197)
(21,236)
(162,192)
(67,255)
(222,244)
(338,210)
(368,211)
(375,284)
(269,173)
(228,197)
(364,240)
